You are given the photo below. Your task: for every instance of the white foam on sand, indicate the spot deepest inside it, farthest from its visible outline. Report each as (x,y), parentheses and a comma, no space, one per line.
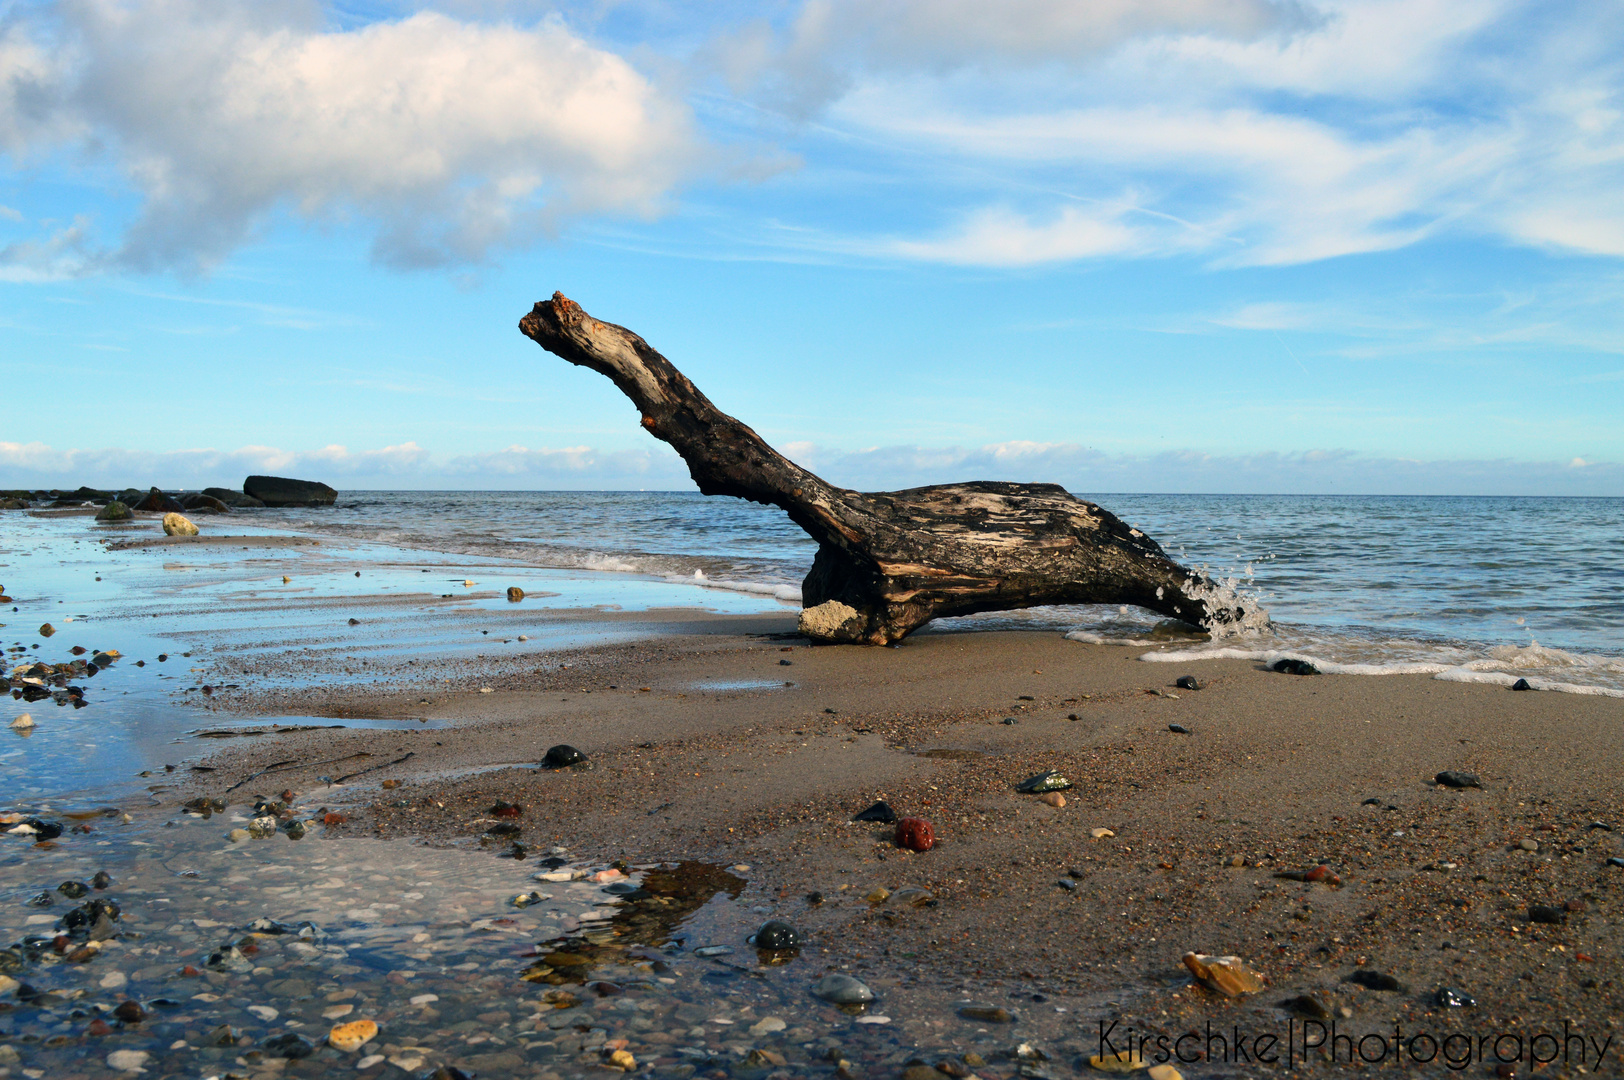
(790,594)
(1504,665)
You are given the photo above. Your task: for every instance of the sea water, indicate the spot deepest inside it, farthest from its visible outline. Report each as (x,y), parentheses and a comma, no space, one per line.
(1521,587)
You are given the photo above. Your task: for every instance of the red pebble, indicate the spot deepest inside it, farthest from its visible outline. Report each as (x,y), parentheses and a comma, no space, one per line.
(190,970)
(915,834)
(333,819)
(1319,873)
(100,1027)
(506,809)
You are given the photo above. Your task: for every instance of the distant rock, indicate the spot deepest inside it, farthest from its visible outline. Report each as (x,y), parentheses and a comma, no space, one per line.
(156,501)
(283,491)
(232,498)
(178,525)
(115,511)
(13,504)
(206,503)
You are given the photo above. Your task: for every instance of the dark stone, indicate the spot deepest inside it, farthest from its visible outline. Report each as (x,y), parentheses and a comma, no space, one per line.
(1615,861)
(1042,782)
(505,828)
(785,663)
(73,890)
(777,936)
(156,501)
(1550,916)
(1376,980)
(291,1046)
(1179,729)
(44,830)
(205,502)
(283,491)
(915,834)
(879,812)
(1009,720)
(505,810)
(562,756)
(130,1012)
(1521,684)
(1188,682)
(446,1072)
(115,511)
(987,1014)
(1289,666)
(515,594)
(1449,778)
(1307,1005)
(232,498)
(1067,884)
(1452,999)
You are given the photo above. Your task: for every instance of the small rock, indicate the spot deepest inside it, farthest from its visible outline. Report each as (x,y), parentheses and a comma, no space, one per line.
(1101,834)
(515,594)
(1291,666)
(1377,980)
(915,834)
(47,630)
(73,890)
(1009,720)
(1615,861)
(353,1035)
(989,1014)
(1451,779)
(101,880)
(262,827)
(1229,975)
(1550,916)
(178,525)
(127,1060)
(914,896)
(1528,844)
(1448,998)
(1188,682)
(1164,1072)
(1042,782)
(838,989)
(24,722)
(295,829)
(1123,1061)
(1521,684)
(879,812)
(1067,884)
(130,1012)
(777,936)
(1052,798)
(562,756)
(237,836)
(879,895)
(1307,1005)
(767,1025)
(291,1046)
(1179,729)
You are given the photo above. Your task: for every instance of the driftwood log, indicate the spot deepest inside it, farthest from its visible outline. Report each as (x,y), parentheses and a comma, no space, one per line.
(888,562)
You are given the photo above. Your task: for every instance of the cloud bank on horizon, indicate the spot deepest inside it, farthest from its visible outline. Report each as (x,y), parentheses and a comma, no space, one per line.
(1024,141)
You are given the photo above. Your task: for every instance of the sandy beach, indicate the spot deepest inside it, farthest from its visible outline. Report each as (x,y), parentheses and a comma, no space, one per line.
(720,742)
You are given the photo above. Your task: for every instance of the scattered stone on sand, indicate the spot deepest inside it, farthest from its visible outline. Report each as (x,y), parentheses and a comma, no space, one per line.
(777,936)
(838,989)
(1307,1005)
(1229,975)
(1052,798)
(879,896)
(1067,884)
(115,511)
(353,1035)
(1450,998)
(1164,1072)
(515,594)
(1521,684)
(879,812)
(1377,980)
(1101,834)
(178,525)
(1452,779)
(987,1014)
(1288,665)
(914,896)
(915,834)
(1042,782)
(128,1060)
(1528,844)
(1547,915)
(562,756)
(1179,729)
(1187,682)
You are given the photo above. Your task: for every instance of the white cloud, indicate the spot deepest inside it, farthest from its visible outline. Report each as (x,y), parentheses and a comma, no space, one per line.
(454,139)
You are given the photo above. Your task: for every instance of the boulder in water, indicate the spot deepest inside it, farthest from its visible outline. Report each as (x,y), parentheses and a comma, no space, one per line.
(284,491)
(115,511)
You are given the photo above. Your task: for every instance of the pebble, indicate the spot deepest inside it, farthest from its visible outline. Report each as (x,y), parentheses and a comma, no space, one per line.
(562,756)
(1377,980)
(334,1012)
(369,1061)
(777,936)
(353,1035)
(1547,915)
(1179,729)
(879,812)
(767,1025)
(1292,666)
(1452,999)
(1452,779)
(127,1060)
(1044,781)
(1521,684)
(1528,844)
(1053,798)
(515,594)
(1122,1061)
(24,722)
(1188,682)
(237,836)
(838,989)
(1164,1072)
(989,1014)
(264,1012)
(913,896)
(113,980)
(915,834)
(1229,975)
(1101,834)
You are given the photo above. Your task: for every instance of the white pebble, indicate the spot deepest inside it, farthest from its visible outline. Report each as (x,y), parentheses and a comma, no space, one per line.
(873,1019)
(369,1061)
(264,1012)
(424,999)
(127,1060)
(113,980)
(23,722)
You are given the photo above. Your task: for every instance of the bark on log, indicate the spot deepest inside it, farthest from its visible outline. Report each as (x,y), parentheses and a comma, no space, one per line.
(888,562)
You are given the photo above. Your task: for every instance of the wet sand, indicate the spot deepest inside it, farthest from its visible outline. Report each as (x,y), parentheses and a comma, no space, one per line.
(699,750)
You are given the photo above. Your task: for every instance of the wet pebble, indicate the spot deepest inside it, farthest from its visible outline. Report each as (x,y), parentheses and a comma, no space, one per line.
(838,989)
(562,756)
(987,1014)
(1521,684)
(915,834)
(1292,666)
(1452,999)
(1376,980)
(1450,778)
(1179,729)
(1044,781)
(777,936)
(1547,915)
(1188,682)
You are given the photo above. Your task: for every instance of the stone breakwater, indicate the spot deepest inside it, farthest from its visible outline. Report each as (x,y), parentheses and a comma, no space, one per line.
(256,492)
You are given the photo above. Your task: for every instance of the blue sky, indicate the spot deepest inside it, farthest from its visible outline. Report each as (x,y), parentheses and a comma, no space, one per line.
(1126,245)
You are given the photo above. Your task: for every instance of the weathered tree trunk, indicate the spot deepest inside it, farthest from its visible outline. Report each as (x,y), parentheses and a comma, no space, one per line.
(889,562)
